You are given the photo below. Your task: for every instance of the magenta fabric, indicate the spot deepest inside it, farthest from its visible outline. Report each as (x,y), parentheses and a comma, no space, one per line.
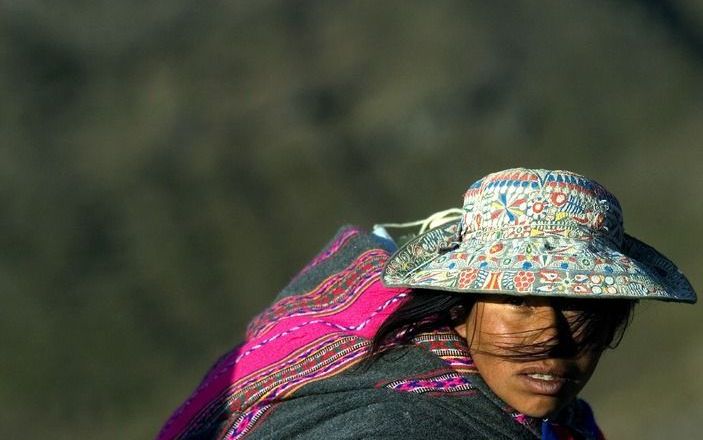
(351,304)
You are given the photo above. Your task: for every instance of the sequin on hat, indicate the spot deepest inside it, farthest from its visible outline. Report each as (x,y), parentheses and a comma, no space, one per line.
(538,232)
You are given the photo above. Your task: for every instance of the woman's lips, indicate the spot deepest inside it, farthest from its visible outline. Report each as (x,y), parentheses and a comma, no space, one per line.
(544,384)
(546,381)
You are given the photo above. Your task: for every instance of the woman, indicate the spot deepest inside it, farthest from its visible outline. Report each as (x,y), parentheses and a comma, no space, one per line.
(486,326)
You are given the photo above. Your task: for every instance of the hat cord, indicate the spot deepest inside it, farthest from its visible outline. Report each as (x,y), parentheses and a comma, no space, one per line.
(436,219)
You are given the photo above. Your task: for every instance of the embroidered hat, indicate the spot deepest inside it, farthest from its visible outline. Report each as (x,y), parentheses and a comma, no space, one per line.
(537,232)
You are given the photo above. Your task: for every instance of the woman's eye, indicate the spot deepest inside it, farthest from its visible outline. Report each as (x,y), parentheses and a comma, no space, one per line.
(516,301)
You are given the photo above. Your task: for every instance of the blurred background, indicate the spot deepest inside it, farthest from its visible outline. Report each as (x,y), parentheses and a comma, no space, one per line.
(167,166)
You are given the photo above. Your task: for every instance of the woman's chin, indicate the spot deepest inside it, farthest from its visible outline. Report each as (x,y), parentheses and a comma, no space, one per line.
(540,406)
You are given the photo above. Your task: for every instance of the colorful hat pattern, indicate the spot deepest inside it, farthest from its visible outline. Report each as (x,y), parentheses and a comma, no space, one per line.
(538,232)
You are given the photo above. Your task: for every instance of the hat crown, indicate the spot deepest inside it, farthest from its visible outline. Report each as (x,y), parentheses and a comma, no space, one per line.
(522,202)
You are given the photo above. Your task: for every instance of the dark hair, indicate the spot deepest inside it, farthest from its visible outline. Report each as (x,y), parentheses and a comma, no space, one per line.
(599,323)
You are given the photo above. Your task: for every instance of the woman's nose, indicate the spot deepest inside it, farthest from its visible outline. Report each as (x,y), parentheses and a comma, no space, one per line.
(557,332)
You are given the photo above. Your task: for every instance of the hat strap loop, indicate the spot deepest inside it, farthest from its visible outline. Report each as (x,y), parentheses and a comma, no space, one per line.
(436,219)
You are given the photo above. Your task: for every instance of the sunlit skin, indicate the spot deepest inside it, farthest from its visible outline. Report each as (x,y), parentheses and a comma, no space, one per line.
(536,387)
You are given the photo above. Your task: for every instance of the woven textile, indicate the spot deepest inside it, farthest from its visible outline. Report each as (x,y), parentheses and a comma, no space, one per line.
(538,232)
(300,374)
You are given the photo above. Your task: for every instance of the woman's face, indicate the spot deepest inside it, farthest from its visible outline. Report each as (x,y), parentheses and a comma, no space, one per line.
(498,325)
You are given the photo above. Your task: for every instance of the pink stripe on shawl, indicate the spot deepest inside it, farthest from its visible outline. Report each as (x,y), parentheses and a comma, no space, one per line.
(362,317)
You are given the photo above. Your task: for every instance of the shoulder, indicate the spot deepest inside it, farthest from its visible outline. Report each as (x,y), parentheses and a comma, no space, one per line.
(387,419)
(382,414)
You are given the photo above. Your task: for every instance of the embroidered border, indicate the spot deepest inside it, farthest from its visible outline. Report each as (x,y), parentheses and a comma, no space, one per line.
(441,381)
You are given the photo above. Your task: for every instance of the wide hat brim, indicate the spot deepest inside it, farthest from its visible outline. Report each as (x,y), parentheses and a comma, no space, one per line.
(541,266)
